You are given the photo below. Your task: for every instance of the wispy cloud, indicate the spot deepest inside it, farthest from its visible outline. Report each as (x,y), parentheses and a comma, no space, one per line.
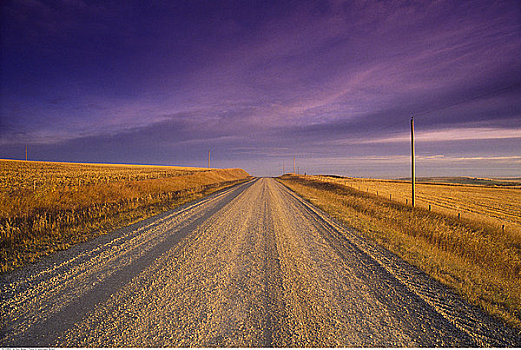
(439,158)
(457,134)
(505,159)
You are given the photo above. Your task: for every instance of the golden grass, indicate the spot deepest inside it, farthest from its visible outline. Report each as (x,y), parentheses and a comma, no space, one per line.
(46,207)
(493,206)
(44,176)
(471,255)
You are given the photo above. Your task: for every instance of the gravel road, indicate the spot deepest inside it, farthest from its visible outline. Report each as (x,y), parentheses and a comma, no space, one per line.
(253,265)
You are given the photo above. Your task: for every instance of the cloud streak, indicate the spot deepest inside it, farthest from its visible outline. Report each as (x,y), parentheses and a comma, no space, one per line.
(457,134)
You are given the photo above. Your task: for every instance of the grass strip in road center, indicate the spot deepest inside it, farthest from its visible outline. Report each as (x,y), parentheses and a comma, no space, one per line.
(480,262)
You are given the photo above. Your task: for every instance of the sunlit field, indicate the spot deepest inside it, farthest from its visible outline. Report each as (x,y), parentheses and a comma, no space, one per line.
(19,175)
(496,206)
(471,252)
(47,206)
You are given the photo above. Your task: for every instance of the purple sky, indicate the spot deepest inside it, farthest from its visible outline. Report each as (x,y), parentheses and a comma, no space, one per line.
(333,83)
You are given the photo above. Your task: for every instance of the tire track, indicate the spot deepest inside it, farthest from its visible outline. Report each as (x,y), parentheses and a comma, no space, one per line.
(39,303)
(482,329)
(253,266)
(219,277)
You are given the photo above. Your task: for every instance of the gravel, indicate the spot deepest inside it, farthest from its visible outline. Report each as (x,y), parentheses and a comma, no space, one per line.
(251,266)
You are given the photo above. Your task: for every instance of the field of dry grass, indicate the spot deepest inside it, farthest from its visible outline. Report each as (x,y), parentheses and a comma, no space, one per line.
(47,206)
(486,205)
(467,180)
(471,254)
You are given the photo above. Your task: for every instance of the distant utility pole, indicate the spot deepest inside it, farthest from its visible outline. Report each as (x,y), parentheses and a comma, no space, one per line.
(293,164)
(26,153)
(413,165)
(209,158)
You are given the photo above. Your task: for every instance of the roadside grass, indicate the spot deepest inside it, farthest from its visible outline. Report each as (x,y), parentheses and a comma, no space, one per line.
(76,202)
(475,258)
(494,206)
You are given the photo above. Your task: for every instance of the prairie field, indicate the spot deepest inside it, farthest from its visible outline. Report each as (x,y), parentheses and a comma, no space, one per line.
(20,175)
(468,180)
(46,206)
(472,253)
(496,206)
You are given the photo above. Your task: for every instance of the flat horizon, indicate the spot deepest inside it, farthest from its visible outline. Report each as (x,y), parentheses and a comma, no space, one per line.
(321,174)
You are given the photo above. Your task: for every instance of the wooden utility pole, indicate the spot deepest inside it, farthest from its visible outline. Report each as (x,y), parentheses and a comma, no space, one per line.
(209,158)
(413,165)
(293,165)
(26,153)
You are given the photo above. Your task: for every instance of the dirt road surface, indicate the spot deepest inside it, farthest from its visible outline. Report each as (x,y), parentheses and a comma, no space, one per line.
(254,265)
